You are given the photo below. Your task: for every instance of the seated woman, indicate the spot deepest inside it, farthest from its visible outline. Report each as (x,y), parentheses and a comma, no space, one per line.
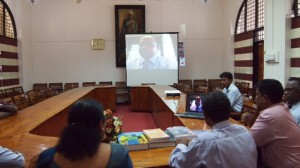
(81,145)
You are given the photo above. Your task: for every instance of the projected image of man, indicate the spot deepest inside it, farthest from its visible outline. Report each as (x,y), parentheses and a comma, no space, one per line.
(150,56)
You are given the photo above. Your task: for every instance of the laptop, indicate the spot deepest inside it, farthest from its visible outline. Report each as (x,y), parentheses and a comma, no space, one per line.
(193,106)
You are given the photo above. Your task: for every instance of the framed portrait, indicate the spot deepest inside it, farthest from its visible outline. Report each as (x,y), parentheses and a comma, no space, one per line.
(129,19)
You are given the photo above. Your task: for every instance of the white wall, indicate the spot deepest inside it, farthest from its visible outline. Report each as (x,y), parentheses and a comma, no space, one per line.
(230,12)
(54,37)
(278,38)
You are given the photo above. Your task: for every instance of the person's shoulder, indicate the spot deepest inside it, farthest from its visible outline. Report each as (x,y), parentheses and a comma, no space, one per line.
(46,157)
(234,87)
(205,135)
(119,156)
(118,149)
(46,154)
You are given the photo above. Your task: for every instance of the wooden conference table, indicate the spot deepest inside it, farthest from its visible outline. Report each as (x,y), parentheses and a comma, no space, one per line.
(37,127)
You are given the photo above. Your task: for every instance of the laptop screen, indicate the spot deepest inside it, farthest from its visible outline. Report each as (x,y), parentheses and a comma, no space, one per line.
(194,103)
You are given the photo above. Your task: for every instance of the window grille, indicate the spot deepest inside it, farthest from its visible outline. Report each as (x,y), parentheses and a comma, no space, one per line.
(251,18)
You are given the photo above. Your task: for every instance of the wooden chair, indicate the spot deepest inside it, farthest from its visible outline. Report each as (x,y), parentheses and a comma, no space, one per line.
(8,100)
(2,94)
(186,85)
(214,84)
(85,84)
(43,90)
(202,89)
(186,82)
(69,86)
(18,90)
(40,86)
(34,97)
(105,83)
(199,82)
(20,101)
(9,92)
(56,87)
(122,91)
(244,88)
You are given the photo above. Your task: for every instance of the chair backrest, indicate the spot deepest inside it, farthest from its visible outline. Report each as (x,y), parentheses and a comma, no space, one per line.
(202,89)
(58,87)
(186,85)
(2,94)
(34,96)
(199,82)
(186,82)
(243,87)
(121,85)
(9,92)
(85,84)
(72,85)
(214,84)
(21,101)
(106,83)
(18,90)
(40,86)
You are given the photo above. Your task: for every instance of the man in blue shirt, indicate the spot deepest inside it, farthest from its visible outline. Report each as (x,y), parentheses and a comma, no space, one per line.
(226,145)
(9,158)
(232,92)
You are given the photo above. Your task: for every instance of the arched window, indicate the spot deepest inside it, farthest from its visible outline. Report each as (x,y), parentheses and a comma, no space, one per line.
(296,8)
(9,52)
(7,23)
(251,17)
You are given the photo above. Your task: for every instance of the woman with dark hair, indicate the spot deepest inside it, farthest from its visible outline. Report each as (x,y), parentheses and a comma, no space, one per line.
(81,145)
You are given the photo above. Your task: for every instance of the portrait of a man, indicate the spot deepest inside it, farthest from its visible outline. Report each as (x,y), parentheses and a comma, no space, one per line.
(129,19)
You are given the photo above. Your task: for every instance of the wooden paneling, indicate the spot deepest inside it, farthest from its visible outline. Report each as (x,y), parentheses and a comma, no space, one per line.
(140,98)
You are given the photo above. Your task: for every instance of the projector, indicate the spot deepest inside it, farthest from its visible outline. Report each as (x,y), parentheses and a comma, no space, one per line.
(172,93)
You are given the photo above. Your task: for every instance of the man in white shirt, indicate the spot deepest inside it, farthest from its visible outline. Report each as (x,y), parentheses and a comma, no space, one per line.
(9,158)
(149,56)
(226,145)
(232,92)
(292,97)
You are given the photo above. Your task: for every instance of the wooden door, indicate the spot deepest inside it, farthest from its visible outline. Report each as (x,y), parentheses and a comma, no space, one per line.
(260,61)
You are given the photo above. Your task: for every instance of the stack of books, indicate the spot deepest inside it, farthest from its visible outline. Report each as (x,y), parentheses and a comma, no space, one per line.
(158,138)
(178,132)
(133,140)
(148,139)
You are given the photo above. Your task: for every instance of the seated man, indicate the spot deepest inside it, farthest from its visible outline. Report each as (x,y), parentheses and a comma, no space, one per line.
(7,109)
(196,105)
(232,92)
(226,145)
(275,131)
(10,158)
(292,97)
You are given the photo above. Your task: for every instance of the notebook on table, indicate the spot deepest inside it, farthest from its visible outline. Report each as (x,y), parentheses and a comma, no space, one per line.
(193,106)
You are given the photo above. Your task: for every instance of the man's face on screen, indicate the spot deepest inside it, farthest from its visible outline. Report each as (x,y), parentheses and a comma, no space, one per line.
(148,47)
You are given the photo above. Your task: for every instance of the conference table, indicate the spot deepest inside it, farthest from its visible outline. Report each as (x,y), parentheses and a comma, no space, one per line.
(38,127)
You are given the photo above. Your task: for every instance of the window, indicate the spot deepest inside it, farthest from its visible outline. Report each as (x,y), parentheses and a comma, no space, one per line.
(7,24)
(296,8)
(251,17)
